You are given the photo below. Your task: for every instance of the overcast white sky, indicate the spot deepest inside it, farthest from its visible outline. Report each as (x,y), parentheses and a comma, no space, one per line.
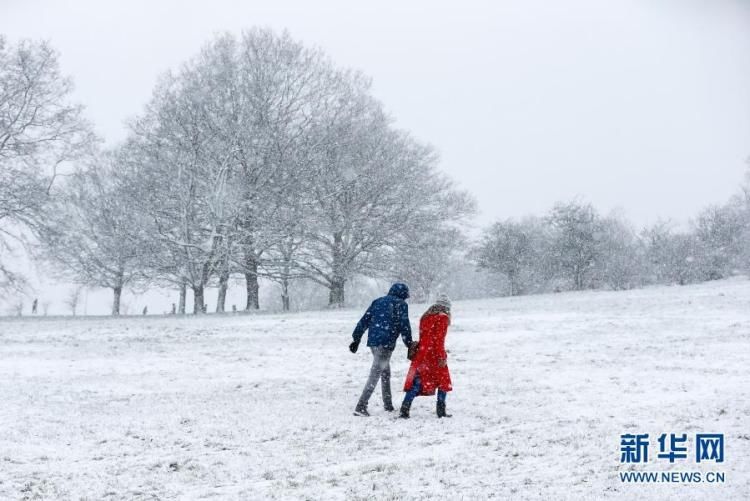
(640,104)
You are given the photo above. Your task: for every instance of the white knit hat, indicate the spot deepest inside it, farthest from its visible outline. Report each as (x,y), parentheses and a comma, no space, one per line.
(443,300)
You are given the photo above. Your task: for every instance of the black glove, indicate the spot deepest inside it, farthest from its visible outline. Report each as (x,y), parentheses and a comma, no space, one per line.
(411,352)
(353,347)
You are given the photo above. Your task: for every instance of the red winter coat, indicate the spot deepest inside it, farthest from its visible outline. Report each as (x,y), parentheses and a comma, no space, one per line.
(432,331)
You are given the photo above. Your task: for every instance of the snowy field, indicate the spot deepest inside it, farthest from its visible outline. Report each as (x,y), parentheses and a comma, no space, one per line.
(260,407)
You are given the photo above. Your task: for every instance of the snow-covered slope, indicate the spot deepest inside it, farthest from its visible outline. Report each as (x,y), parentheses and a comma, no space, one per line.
(261,407)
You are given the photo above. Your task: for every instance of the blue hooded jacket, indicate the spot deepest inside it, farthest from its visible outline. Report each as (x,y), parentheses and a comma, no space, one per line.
(386,318)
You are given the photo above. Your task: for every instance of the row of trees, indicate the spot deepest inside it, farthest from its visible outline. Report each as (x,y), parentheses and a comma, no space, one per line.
(575,247)
(260,158)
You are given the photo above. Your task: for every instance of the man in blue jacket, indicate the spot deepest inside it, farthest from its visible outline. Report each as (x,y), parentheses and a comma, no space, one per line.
(386,319)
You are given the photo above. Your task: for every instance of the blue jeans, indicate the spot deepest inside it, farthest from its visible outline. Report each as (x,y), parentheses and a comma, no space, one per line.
(415,389)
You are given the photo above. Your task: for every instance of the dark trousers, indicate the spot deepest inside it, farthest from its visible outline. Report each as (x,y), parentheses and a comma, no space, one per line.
(416,387)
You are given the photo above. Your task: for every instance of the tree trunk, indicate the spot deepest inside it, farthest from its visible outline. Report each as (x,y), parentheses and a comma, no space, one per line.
(253,287)
(577,278)
(336,293)
(513,279)
(222,297)
(285,295)
(183,294)
(251,283)
(118,293)
(116,301)
(198,303)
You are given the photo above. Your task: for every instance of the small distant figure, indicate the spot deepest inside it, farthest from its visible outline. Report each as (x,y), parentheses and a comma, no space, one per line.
(234,308)
(145,310)
(174,309)
(205,307)
(34,306)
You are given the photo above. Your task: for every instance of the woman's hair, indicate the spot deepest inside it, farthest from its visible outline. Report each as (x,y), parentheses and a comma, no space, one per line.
(438,308)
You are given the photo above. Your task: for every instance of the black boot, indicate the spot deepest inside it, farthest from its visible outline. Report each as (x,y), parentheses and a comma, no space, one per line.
(361,410)
(441,410)
(405,410)
(389,407)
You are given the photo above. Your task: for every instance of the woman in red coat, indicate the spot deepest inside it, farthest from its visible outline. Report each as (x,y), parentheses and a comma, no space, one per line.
(429,367)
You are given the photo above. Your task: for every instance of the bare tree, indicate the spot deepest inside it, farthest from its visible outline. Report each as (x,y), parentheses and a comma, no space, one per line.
(622,254)
(374,184)
(17,308)
(73,298)
(721,236)
(282,265)
(507,248)
(425,259)
(575,248)
(671,256)
(39,130)
(280,91)
(92,232)
(183,182)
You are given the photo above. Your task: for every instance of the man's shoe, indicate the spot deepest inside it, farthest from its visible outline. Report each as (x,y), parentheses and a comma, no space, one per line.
(389,407)
(361,411)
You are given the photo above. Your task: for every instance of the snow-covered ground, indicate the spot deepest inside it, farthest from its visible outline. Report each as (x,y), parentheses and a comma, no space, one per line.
(260,407)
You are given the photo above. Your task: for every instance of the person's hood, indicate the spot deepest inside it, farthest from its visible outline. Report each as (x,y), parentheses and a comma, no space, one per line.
(399,290)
